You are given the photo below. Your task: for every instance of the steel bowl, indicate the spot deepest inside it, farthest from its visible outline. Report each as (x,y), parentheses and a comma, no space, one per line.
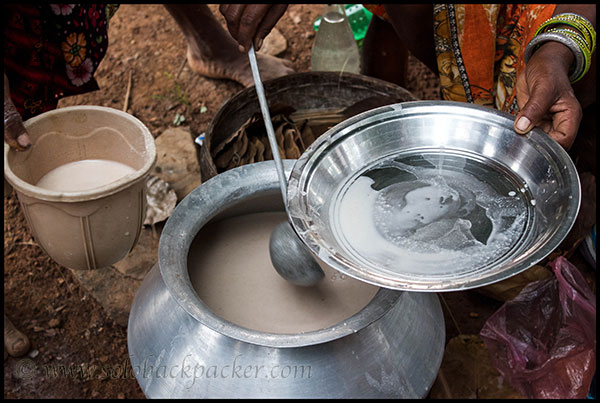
(179,348)
(510,199)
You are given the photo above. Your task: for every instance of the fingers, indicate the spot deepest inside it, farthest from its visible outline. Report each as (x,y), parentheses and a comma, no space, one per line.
(233,15)
(268,22)
(15,134)
(251,23)
(565,123)
(558,116)
(546,99)
(540,100)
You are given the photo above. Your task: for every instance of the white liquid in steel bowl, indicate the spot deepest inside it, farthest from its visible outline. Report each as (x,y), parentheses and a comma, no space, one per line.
(83,175)
(431,215)
(231,270)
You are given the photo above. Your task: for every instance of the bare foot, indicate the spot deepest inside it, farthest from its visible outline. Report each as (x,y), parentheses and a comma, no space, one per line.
(237,67)
(15,342)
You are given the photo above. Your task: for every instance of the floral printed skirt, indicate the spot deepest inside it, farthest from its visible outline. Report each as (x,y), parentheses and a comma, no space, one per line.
(52,51)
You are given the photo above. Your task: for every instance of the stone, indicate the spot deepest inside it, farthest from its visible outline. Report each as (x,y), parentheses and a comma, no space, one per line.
(177,161)
(274,44)
(143,256)
(114,287)
(54,322)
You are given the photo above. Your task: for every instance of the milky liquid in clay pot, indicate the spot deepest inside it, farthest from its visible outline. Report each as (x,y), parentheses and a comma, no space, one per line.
(83,175)
(230,268)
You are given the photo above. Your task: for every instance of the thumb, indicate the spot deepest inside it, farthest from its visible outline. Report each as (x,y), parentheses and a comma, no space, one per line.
(540,100)
(15,134)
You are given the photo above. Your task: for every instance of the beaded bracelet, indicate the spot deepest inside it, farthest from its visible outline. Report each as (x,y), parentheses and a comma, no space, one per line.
(587,56)
(578,22)
(537,41)
(581,41)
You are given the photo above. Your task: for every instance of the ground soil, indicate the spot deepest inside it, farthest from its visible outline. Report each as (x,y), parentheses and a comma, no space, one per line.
(77,350)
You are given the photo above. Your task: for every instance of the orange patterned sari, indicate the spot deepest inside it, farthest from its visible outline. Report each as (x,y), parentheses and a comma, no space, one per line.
(480,48)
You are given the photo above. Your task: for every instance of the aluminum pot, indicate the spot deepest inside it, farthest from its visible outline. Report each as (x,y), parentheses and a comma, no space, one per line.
(179,348)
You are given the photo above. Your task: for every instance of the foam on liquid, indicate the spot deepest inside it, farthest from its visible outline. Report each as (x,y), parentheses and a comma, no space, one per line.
(431,234)
(83,175)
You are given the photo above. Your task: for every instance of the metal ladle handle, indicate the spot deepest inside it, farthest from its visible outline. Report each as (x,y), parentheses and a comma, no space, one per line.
(264,108)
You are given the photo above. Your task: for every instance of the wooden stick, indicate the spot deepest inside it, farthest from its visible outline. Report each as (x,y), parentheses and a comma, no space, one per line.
(126,103)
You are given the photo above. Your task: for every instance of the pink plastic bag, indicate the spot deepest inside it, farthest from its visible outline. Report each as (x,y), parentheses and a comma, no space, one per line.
(544,341)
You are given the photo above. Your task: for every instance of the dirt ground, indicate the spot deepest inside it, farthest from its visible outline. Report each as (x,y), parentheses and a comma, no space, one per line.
(77,350)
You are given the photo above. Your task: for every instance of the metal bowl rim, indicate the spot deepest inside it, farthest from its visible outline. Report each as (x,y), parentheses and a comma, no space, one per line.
(410,108)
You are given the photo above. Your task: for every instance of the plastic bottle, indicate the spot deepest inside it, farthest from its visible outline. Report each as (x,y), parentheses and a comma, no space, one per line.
(334,48)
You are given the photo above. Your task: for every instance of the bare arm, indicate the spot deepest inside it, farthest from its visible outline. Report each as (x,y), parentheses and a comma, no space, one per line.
(545,96)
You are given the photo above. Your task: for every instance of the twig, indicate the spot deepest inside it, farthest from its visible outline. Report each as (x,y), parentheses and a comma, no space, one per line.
(450,313)
(27,243)
(12,246)
(60,273)
(154,234)
(181,68)
(567,254)
(126,103)
(444,383)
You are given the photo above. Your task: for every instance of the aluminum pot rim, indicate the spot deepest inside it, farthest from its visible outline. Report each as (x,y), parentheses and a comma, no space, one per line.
(304,165)
(204,203)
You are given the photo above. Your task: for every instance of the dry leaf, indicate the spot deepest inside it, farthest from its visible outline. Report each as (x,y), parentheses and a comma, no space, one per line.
(291,150)
(240,148)
(260,150)
(307,135)
(250,154)
(221,146)
(161,200)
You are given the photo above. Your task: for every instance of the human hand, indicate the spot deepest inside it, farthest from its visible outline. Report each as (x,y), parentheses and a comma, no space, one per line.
(15,134)
(545,96)
(251,23)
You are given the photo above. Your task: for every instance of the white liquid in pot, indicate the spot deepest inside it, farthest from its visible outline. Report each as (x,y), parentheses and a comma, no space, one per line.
(232,273)
(83,175)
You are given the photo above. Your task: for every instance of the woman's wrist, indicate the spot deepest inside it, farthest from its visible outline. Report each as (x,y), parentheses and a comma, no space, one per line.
(556,54)
(574,32)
